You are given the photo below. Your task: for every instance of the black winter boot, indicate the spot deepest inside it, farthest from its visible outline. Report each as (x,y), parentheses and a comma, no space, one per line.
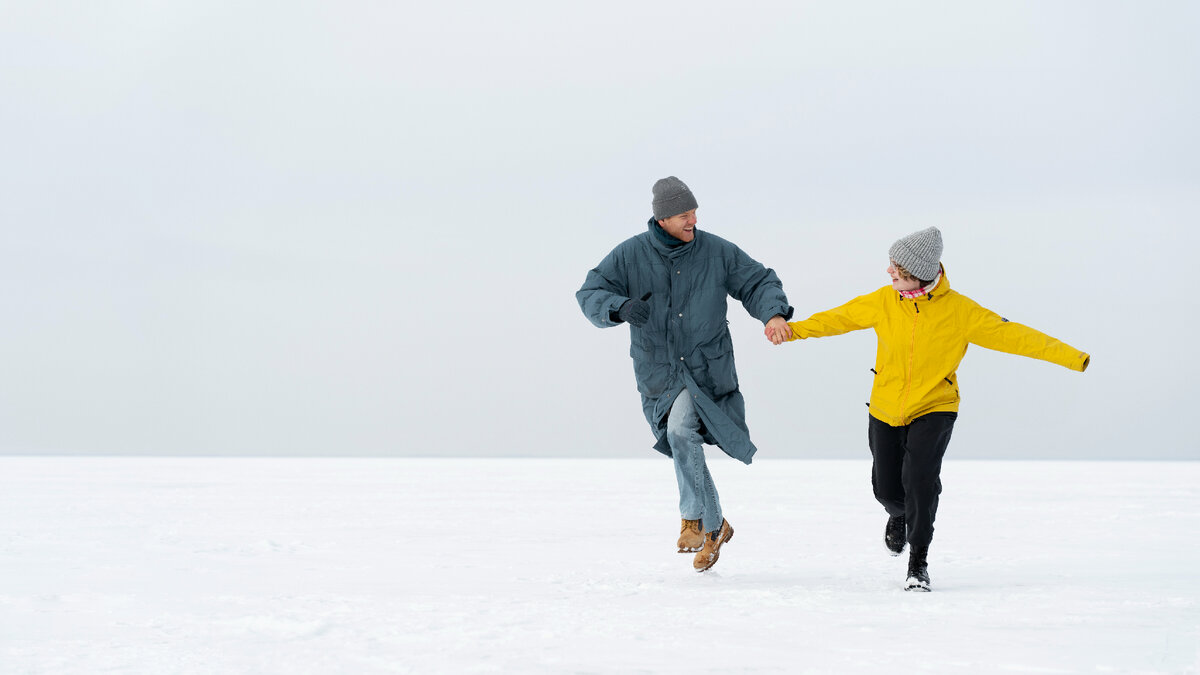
(894,535)
(918,569)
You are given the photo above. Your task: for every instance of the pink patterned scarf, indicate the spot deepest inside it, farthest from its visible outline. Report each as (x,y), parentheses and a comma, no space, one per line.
(922,291)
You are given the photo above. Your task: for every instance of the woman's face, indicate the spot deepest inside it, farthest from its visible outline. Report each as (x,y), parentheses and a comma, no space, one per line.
(899,283)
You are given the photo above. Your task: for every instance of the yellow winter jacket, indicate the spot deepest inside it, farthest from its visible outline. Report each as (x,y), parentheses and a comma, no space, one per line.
(922,341)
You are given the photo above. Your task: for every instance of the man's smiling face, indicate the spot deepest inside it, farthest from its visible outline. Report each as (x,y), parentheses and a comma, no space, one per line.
(682,226)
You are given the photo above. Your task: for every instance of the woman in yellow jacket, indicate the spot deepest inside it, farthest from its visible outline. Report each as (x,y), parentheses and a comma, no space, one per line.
(923,327)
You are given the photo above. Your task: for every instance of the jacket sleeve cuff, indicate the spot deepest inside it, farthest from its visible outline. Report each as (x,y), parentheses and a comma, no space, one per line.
(786,313)
(614,305)
(1081,362)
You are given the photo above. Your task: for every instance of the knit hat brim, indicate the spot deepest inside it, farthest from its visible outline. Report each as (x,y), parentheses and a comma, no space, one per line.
(681,203)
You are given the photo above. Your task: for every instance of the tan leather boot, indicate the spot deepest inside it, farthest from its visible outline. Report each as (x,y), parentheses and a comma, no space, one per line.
(690,536)
(707,557)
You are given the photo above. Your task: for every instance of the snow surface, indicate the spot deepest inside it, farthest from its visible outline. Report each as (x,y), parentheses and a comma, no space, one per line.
(189,565)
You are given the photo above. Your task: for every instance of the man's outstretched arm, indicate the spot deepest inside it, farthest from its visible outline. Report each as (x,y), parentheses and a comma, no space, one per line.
(759,290)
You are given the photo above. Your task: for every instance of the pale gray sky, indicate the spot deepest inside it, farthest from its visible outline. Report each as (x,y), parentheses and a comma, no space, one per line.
(357,227)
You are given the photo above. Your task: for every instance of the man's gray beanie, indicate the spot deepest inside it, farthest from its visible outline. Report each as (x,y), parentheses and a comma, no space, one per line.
(671,198)
(920,253)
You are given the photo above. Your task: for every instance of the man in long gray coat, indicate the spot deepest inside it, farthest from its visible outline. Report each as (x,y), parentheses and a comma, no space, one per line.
(671,284)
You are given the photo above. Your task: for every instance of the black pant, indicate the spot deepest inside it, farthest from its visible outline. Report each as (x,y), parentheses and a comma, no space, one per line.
(905,473)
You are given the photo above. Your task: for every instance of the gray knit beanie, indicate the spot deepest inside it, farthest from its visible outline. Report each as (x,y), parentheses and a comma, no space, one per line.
(671,198)
(920,253)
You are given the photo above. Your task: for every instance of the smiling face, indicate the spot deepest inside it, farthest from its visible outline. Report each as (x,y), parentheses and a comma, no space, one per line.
(682,226)
(901,279)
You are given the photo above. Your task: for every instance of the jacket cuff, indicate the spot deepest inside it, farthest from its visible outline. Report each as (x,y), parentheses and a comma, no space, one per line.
(614,306)
(1081,362)
(785,313)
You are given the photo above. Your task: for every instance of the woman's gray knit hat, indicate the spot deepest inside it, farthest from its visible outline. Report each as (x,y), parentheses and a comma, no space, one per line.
(920,253)
(671,198)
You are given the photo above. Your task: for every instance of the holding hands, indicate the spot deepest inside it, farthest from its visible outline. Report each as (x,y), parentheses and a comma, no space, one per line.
(777,330)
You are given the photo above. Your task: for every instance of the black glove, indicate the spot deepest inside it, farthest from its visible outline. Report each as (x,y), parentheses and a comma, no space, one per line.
(635,312)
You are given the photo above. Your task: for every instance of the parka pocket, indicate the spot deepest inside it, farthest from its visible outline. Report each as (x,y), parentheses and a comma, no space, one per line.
(946,392)
(652,375)
(717,374)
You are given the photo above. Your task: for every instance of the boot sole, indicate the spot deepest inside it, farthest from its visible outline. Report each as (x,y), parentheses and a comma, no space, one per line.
(717,553)
(690,550)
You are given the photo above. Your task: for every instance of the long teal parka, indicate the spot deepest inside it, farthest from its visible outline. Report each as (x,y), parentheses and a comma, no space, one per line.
(686,342)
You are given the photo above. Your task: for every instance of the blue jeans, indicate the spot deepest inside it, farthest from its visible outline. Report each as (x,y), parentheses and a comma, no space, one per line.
(697,495)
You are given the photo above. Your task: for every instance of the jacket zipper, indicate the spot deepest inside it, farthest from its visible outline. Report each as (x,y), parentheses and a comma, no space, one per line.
(912,351)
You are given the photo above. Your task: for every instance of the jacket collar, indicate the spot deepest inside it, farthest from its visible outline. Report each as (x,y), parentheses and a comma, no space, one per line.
(942,288)
(659,239)
(918,292)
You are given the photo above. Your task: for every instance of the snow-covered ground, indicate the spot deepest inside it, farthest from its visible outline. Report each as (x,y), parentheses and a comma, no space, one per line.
(154,565)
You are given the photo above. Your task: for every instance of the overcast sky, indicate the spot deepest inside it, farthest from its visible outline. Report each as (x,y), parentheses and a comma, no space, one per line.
(358,227)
